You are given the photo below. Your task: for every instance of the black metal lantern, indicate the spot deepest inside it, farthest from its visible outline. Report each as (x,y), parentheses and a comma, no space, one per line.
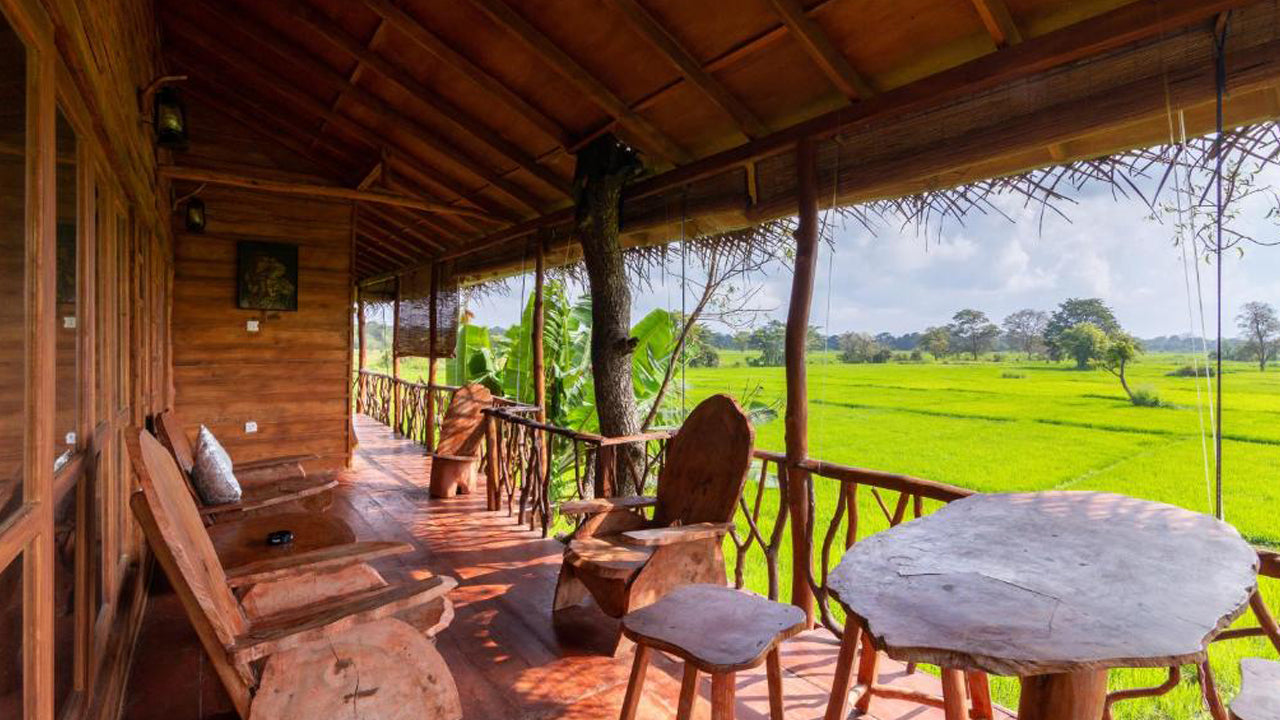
(170,118)
(195,215)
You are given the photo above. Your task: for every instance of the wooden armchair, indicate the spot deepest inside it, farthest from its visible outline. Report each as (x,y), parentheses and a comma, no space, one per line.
(298,636)
(626,561)
(266,484)
(453,463)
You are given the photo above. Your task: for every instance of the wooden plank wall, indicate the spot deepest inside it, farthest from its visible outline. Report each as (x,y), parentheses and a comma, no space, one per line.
(292,376)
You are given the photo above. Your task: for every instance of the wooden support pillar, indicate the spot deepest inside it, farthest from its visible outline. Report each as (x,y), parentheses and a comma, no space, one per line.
(539,329)
(797,418)
(432,331)
(364,355)
(395,360)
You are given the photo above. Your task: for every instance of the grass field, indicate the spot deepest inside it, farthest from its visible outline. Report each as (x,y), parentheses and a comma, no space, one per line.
(1001,426)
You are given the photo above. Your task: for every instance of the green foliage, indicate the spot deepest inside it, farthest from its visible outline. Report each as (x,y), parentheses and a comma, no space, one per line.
(1084,342)
(1193,371)
(936,341)
(856,347)
(1146,396)
(1013,375)
(770,340)
(972,332)
(1073,312)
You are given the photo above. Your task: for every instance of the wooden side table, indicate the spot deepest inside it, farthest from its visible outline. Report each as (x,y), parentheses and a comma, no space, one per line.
(716,630)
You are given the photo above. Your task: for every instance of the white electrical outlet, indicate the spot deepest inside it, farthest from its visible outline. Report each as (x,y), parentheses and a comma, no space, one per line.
(70,439)
(251,427)
(251,325)
(69,322)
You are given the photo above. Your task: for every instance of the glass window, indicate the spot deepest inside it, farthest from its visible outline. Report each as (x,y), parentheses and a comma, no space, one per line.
(11,640)
(65,537)
(66,320)
(13,346)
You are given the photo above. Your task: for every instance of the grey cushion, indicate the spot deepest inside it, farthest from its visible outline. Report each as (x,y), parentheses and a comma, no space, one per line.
(211,474)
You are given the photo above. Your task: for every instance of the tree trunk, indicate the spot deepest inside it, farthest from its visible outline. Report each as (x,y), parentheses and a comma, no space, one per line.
(603,168)
(1124,383)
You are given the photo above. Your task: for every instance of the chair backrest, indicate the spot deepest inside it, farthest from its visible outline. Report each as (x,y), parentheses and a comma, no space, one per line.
(172,523)
(706,464)
(169,429)
(463,426)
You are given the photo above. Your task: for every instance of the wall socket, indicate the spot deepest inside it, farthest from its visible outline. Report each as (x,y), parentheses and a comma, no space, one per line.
(251,427)
(251,325)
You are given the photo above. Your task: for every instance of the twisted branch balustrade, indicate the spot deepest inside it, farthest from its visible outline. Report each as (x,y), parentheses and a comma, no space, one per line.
(402,405)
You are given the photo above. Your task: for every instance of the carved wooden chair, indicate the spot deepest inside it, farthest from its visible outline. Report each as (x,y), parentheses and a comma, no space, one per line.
(453,463)
(298,636)
(626,561)
(266,484)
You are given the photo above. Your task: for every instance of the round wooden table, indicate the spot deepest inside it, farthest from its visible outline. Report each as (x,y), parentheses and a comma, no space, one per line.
(1052,587)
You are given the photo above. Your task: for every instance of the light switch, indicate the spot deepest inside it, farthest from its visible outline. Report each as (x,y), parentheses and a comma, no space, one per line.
(251,427)
(251,325)
(69,322)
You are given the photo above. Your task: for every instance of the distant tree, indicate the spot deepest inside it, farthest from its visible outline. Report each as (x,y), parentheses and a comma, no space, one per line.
(936,341)
(1261,326)
(973,332)
(1085,342)
(815,340)
(770,340)
(886,339)
(1024,330)
(1120,350)
(856,347)
(742,339)
(1071,313)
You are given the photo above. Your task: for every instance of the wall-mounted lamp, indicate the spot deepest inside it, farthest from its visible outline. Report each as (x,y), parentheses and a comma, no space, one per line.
(194,215)
(170,119)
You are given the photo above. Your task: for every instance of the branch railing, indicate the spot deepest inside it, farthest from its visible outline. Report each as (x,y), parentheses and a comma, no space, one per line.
(402,405)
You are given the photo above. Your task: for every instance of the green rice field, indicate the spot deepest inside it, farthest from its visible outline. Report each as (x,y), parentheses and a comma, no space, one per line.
(1031,425)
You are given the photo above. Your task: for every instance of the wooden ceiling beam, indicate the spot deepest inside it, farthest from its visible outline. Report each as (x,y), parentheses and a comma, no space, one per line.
(218,177)
(998,21)
(370,246)
(394,221)
(417,253)
(648,27)
(828,58)
(379,108)
(654,140)
(287,92)
(459,62)
(440,108)
(397,229)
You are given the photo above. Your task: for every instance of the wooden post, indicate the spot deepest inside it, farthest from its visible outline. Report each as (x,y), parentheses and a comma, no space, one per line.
(797,418)
(491,465)
(364,355)
(539,328)
(395,361)
(430,421)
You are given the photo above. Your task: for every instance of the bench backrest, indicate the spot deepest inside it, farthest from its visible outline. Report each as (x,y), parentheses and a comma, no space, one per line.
(462,428)
(706,464)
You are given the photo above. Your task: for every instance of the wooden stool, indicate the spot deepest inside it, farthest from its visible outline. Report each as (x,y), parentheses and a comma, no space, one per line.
(717,630)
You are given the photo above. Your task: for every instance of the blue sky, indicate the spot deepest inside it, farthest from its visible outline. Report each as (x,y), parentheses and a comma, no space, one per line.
(901,280)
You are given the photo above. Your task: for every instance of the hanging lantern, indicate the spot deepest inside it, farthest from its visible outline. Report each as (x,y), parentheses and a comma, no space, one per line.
(170,119)
(195,215)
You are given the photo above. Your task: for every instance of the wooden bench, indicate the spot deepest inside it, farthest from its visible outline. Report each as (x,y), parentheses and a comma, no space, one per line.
(454,461)
(298,636)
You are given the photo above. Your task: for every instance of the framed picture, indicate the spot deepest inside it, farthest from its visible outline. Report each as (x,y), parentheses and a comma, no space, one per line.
(266,276)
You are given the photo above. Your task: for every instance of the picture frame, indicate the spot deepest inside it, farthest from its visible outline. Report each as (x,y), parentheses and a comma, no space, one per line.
(266,276)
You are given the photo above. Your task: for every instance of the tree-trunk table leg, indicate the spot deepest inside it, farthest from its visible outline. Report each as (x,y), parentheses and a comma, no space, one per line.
(1209,688)
(1064,696)
(722,696)
(638,668)
(688,692)
(980,695)
(954,706)
(868,666)
(838,705)
(773,663)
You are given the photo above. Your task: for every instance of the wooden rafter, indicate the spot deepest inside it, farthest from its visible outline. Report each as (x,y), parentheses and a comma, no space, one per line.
(459,62)
(379,108)
(647,26)
(414,226)
(217,177)
(440,108)
(819,47)
(391,240)
(654,140)
(999,23)
(299,100)
(370,247)
(397,228)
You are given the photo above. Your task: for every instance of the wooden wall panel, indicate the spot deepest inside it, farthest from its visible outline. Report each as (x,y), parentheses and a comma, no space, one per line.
(291,376)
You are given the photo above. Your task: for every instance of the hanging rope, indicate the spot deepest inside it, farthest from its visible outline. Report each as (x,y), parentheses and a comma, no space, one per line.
(831,256)
(1220,66)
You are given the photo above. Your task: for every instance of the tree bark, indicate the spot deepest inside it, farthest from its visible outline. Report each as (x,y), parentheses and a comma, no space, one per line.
(604,166)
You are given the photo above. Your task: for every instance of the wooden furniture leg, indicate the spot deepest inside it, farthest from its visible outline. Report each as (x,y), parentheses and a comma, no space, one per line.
(688,692)
(837,706)
(636,685)
(773,664)
(722,695)
(980,696)
(868,666)
(1209,687)
(1064,696)
(954,706)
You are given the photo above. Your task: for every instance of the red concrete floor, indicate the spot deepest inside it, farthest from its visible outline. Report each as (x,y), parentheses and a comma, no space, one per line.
(507,659)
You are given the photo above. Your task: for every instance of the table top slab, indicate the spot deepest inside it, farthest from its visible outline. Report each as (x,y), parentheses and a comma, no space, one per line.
(716,628)
(1034,583)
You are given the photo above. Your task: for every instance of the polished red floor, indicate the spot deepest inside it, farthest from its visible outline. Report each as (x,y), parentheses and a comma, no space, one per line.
(506,657)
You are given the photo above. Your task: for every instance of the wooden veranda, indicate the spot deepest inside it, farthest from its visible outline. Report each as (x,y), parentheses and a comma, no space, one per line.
(198,196)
